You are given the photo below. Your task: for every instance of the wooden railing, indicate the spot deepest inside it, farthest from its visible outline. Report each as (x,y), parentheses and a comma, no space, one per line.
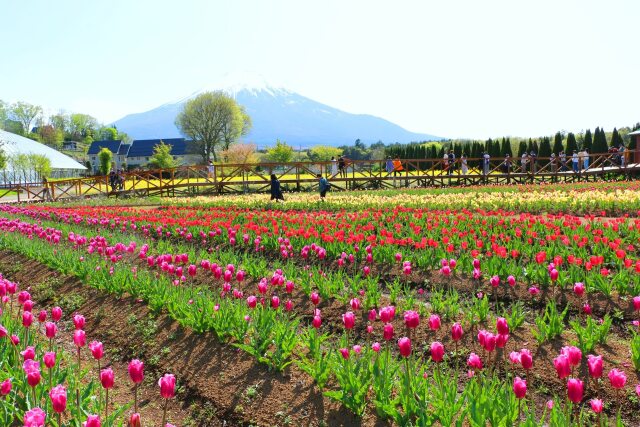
(301,176)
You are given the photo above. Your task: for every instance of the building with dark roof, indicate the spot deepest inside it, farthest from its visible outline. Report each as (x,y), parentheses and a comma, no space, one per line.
(96,146)
(142,149)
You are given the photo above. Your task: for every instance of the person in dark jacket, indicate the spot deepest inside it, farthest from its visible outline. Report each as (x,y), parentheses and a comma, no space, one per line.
(323,186)
(276,193)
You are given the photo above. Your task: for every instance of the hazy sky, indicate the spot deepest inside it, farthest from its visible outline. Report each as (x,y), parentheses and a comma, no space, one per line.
(451,68)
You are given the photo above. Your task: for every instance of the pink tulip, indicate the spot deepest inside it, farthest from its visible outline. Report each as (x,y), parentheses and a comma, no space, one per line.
(387,332)
(575,389)
(275,302)
(15,340)
(28,305)
(349,320)
(34,418)
(78,321)
(50,330)
(519,387)
(515,357)
(476,263)
(411,319)
(49,359)
(27,319)
(5,387)
(502,326)
(136,371)
(42,316)
(434,322)
(456,332)
(288,306)
(526,359)
(373,315)
(586,308)
(561,364)
(107,378)
(553,275)
(495,281)
(573,353)
(29,353)
(437,351)
(134,420)
(345,353)
(79,338)
(56,313)
(167,386)
(578,289)
(501,340)
(252,301)
(474,362)
(596,405)
(533,291)
(375,347)
(355,304)
(317,321)
(404,344)
(97,350)
(315,298)
(387,313)
(511,281)
(357,349)
(595,365)
(92,421)
(636,303)
(617,378)
(58,396)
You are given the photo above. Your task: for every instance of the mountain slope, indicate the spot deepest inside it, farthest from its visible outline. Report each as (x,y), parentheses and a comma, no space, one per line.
(277,113)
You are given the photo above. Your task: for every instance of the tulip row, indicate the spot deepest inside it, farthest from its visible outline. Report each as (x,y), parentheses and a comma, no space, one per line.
(28,395)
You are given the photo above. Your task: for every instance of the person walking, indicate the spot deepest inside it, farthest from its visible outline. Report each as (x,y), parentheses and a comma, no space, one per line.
(323,186)
(451,160)
(574,161)
(276,193)
(486,162)
(585,160)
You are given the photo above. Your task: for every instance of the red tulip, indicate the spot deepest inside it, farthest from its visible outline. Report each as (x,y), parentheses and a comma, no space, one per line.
(404,344)
(586,308)
(575,389)
(5,387)
(58,396)
(595,365)
(519,387)
(136,371)
(345,353)
(167,386)
(437,351)
(134,420)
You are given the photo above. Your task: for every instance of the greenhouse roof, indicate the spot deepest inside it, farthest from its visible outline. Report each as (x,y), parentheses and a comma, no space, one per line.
(13,144)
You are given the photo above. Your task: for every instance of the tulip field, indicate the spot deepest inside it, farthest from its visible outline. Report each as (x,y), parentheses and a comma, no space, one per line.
(496,306)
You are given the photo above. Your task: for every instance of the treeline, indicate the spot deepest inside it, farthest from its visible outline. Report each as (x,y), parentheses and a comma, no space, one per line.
(597,142)
(30,121)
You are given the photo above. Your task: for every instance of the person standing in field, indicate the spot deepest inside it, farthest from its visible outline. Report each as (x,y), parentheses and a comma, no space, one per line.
(323,186)
(463,163)
(276,193)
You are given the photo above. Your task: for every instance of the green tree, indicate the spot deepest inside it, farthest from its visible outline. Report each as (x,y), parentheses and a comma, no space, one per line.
(522,148)
(280,153)
(587,142)
(3,156)
(557,143)
(51,136)
(108,134)
(105,157)
(40,164)
(82,127)
(4,113)
(213,120)
(323,153)
(600,141)
(25,113)
(20,165)
(616,139)
(572,144)
(545,147)
(162,158)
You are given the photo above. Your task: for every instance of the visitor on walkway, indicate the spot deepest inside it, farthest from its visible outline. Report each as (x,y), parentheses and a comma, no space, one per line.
(622,152)
(451,160)
(341,167)
(554,163)
(486,161)
(523,161)
(506,164)
(388,166)
(533,160)
(574,161)
(581,159)
(211,170)
(463,163)
(563,161)
(334,166)
(276,193)
(445,163)
(585,160)
(397,169)
(323,186)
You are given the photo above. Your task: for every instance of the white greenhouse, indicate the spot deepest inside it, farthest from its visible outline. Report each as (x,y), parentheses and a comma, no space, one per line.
(18,169)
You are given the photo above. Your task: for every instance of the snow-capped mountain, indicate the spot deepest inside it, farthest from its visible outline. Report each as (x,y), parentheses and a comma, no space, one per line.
(276,113)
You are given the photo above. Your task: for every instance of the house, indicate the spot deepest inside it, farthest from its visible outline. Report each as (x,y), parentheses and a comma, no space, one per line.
(122,155)
(73,146)
(142,149)
(94,149)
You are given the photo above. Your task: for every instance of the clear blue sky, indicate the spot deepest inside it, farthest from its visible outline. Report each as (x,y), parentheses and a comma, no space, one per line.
(452,68)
